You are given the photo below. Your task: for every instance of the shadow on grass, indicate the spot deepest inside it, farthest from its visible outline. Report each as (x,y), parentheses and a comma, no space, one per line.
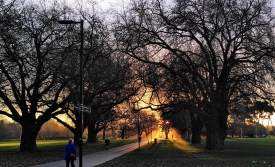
(178,153)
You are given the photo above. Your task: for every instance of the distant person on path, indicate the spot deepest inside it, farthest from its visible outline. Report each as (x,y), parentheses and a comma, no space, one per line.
(70,153)
(107,142)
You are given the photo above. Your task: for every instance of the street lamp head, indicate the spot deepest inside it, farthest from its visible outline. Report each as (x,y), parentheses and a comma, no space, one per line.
(68,22)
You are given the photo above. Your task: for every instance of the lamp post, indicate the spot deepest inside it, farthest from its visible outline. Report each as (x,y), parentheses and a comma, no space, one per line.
(81,82)
(138,121)
(151,129)
(139,136)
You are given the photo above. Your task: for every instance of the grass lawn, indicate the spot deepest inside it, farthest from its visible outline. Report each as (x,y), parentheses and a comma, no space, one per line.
(239,152)
(165,153)
(14,145)
(51,150)
(45,144)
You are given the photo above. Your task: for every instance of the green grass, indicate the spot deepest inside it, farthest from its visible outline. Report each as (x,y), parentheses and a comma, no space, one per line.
(239,152)
(14,145)
(248,150)
(50,151)
(185,146)
(9,145)
(48,144)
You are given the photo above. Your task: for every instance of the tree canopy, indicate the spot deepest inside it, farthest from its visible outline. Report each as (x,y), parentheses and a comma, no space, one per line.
(198,58)
(217,49)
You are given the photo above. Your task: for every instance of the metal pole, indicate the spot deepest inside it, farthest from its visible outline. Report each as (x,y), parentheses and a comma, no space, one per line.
(139,137)
(80,82)
(151,128)
(81,92)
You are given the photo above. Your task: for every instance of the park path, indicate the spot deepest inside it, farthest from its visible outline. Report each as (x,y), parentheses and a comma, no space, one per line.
(98,158)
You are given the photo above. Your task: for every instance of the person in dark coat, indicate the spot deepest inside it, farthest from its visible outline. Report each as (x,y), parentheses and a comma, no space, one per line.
(107,142)
(70,153)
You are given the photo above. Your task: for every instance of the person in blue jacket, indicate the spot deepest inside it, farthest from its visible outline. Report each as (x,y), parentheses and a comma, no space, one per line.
(70,153)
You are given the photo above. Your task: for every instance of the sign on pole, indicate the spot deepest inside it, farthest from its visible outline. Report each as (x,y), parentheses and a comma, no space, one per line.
(83,108)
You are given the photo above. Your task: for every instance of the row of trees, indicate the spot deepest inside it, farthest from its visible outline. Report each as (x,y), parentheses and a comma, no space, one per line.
(50,130)
(248,130)
(208,54)
(9,130)
(123,129)
(197,58)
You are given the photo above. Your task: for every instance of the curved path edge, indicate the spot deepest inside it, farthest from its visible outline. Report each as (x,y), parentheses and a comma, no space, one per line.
(98,158)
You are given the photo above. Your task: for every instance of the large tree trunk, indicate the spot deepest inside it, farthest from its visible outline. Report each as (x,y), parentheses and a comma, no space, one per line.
(216,124)
(104,133)
(104,129)
(28,138)
(166,134)
(197,125)
(92,134)
(214,138)
(122,135)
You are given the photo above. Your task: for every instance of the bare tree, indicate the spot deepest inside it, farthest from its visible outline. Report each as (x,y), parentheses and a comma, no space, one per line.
(34,85)
(111,83)
(108,79)
(124,123)
(221,47)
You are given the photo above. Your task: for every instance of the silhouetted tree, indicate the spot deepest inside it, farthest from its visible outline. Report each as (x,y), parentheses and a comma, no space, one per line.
(220,47)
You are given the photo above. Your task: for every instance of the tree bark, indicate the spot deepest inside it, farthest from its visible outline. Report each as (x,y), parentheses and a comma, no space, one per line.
(216,125)
(166,134)
(197,125)
(214,140)
(28,139)
(92,134)
(123,133)
(104,133)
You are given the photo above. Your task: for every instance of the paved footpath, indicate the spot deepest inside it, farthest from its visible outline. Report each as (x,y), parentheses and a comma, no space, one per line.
(98,157)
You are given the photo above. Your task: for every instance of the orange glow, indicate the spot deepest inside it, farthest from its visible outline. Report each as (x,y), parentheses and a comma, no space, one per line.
(145,101)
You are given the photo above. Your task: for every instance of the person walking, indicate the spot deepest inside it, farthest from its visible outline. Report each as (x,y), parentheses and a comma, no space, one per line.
(107,142)
(70,153)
